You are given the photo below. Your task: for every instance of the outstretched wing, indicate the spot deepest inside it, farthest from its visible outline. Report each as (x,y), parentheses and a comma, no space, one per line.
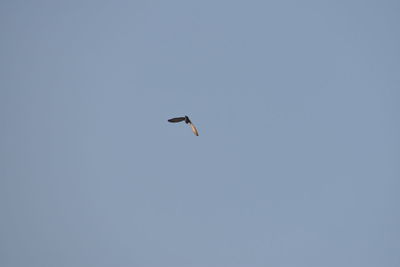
(179,119)
(194,129)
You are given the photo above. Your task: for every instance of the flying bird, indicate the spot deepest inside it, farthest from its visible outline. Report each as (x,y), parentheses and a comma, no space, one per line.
(187,120)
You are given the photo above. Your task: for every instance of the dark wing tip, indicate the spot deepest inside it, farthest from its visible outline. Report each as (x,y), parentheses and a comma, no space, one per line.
(179,119)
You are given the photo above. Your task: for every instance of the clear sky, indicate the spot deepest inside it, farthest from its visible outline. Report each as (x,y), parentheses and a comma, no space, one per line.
(296,103)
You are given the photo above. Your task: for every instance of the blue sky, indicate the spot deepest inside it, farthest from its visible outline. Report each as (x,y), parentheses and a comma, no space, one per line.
(297,105)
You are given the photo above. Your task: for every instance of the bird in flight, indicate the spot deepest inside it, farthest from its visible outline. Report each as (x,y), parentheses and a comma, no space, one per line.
(187,120)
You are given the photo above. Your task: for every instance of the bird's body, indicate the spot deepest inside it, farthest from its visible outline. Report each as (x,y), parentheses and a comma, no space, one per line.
(187,121)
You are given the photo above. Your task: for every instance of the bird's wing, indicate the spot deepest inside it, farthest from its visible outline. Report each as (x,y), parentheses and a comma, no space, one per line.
(194,129)
(179,119)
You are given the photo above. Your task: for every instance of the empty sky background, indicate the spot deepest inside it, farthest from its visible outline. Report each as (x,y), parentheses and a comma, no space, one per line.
(296,102)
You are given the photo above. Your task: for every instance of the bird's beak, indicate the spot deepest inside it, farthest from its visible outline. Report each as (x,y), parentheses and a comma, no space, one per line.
(194,129)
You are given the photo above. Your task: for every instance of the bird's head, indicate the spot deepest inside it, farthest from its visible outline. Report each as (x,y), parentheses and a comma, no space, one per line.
(187,119)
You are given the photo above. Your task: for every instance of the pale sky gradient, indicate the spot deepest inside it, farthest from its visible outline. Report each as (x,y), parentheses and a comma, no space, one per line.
(296,102)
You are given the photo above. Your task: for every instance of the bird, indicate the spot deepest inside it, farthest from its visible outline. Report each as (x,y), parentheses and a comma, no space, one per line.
(188,121)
